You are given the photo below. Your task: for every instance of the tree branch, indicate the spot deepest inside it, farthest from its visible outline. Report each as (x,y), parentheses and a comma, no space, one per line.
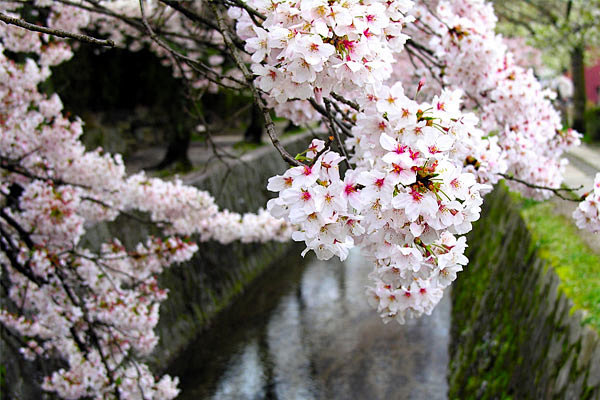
(556,191)
(55,32)
(269,125)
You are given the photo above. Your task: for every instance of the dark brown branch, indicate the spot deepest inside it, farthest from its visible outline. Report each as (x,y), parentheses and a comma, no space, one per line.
(347,123)
(423,56)
(10,251)
(336,133)
(250,10)
(55,32)
(419,46)
(22,233)
(326,113)
(12,166)
(192,15)
(203,70)
(347,102)
(556,191)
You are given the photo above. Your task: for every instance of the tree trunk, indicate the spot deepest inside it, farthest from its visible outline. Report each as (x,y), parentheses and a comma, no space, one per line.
(177,151)
(579,96)
(253,133)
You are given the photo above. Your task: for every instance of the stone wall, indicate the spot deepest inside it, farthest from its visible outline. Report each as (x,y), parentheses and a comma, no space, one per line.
(218,273)
(197,290)
(513,332)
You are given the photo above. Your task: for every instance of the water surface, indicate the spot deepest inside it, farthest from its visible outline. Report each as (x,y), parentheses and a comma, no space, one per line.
(305,331)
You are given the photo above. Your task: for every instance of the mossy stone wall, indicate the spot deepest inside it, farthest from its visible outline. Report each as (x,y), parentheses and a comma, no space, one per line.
(514,335)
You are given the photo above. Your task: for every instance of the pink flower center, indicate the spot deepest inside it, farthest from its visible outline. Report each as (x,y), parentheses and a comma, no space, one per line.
(348,44)
(397,169)
(433,149)
(414,154)
(416,195)
(400,149)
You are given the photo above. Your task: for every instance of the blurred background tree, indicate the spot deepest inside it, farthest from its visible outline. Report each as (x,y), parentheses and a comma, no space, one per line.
(131,101)
(567,32)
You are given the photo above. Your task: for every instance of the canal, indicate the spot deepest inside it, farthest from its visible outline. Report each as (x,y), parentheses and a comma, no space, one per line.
(304,330)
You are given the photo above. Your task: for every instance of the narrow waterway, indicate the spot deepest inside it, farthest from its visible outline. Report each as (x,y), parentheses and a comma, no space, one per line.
(305,331)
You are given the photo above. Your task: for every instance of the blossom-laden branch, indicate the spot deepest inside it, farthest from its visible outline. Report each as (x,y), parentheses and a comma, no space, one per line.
(95,310)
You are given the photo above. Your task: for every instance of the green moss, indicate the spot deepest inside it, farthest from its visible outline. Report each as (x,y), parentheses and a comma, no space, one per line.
(577,266)
(246,146)
(500,320)
(2,380)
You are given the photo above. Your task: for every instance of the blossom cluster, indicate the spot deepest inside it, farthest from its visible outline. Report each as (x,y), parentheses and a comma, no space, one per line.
(321,206)
(472,57)
(403,203)
(587,214)
(418,197)
(310,48)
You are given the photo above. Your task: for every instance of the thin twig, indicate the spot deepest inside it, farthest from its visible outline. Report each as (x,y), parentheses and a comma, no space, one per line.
(336,133)
(204,69)
(250,10)
(269,125)
(556,191)
(123,212)
(55,32)
(325,114)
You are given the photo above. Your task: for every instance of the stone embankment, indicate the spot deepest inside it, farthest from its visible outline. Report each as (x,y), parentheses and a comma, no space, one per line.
(514,334)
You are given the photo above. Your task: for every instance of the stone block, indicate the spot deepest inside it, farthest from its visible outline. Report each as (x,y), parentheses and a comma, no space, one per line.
(563,375)
(555,350)
(589,342)
(575,328)
(593,379)
(551,292)
(575,387)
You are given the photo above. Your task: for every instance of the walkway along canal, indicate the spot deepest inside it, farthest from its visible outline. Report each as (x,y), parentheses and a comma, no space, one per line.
(304,330)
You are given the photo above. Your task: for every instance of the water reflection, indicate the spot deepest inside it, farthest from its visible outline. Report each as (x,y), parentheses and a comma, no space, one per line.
(306,332)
